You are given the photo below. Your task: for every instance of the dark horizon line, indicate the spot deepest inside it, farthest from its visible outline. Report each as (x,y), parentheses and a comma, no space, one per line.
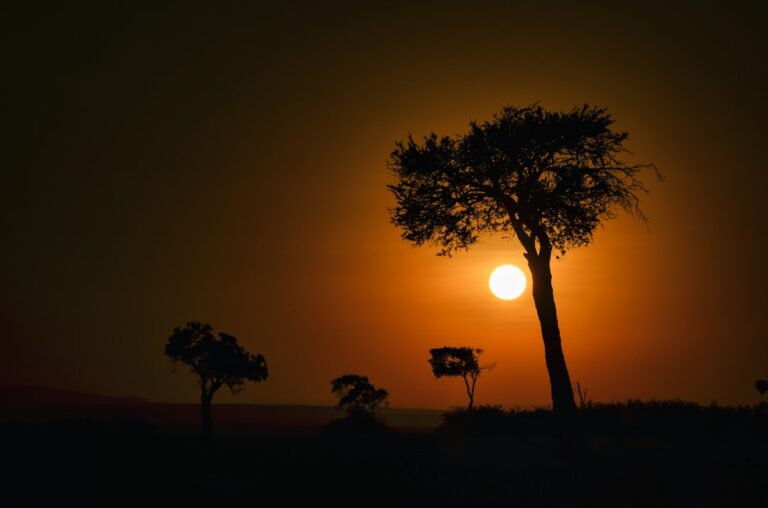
(15,392)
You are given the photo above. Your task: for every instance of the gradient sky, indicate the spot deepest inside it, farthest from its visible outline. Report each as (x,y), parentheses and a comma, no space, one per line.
(228,164)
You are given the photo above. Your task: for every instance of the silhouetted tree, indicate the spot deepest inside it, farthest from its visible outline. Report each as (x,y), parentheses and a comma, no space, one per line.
(216,361)
(549,178)
(463,362)
(762,386)
(357,395)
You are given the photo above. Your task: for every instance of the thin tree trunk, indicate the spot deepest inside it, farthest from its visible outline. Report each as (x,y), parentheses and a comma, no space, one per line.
(543,296)
(205,413)
(470,394)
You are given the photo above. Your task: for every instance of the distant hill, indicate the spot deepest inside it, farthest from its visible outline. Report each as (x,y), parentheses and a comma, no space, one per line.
(24,396)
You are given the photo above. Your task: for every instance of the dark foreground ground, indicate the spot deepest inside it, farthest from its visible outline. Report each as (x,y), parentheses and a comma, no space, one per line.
(633,454)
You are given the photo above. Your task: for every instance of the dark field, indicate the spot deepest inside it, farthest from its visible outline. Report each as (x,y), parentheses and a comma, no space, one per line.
(632,454)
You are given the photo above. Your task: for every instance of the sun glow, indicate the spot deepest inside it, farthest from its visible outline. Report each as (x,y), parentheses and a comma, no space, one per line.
(507,282)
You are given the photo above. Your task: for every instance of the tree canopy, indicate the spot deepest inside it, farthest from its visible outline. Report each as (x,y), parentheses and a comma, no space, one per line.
(547,177)
(217,361)
(356,393)
(455,361)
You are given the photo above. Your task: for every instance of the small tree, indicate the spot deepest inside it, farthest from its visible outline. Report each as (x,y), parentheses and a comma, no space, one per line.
(358,396)
(216,361)
(459,361)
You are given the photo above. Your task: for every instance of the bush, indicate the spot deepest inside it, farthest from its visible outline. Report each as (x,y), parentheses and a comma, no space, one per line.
(482,421)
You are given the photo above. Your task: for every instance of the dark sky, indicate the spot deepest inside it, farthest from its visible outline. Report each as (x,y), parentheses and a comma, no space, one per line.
(228,164)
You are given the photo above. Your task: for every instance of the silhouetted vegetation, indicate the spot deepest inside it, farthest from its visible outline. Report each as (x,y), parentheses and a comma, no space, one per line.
(362,402)
(633,417)
(583,396)
(635,453)
(357,394)
(484,420)
(461,362)
(548,178)
(216,361)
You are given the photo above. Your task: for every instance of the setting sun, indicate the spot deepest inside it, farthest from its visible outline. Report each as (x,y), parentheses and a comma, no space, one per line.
(507,282)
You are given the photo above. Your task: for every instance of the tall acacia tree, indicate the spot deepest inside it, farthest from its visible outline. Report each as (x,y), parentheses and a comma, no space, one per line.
(548,178)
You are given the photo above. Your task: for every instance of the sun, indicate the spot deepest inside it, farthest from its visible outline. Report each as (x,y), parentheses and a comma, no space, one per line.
(507,282)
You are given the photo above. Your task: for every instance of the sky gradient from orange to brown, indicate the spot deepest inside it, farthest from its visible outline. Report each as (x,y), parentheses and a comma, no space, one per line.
(229,165)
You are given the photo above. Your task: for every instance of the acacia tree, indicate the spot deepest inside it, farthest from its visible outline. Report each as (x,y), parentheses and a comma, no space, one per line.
(548,178)
(358,396)
(216,361)
(461,362)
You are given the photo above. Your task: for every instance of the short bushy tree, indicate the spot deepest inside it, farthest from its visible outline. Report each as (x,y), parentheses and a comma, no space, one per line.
(216,361)
(461,362)
(357,395)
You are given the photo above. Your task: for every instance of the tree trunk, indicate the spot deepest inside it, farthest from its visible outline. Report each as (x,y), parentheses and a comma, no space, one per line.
(470,393)
(544,298)
(205,413)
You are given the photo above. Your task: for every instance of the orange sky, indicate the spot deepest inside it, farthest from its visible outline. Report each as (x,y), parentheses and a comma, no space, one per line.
(230,166)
